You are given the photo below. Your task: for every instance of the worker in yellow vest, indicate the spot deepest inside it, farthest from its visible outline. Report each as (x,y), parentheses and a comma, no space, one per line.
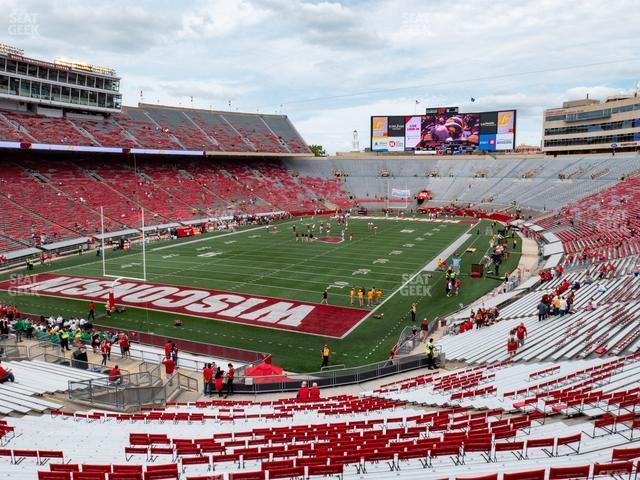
(325,355)
(430,351)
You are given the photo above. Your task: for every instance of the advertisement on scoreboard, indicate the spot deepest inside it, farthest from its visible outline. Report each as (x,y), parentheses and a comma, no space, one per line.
(379,134)
(447,132)
(497,130)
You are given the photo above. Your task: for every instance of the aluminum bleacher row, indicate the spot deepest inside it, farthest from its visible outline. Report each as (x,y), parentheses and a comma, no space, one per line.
(33,380)
(609,326)
(387,439)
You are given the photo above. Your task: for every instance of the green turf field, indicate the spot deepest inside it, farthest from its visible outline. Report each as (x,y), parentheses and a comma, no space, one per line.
(255,261)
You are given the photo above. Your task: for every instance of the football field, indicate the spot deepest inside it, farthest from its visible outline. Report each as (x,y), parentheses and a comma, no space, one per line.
(261,289)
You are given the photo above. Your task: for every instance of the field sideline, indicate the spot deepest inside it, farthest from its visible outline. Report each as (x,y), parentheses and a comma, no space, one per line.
(256,263)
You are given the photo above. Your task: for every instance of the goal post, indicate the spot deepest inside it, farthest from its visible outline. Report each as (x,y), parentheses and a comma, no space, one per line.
(120,262)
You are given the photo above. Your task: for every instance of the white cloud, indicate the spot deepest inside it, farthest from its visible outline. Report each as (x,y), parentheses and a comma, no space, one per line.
(346,60)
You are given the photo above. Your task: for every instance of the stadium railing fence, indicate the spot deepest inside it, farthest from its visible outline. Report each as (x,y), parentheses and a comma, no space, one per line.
(131,392)
(331,378)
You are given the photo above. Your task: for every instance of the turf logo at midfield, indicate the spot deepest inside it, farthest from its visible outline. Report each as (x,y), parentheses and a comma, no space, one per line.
(303,317)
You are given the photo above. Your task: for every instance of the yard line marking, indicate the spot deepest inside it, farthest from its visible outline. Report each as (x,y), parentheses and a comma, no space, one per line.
(413,277)
(237,232)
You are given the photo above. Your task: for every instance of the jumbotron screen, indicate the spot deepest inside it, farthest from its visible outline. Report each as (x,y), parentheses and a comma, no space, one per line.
(447,132)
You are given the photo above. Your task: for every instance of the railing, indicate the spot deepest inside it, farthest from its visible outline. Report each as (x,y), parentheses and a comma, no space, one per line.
(10,350)
(152,369)
(132,391)
(197,348)
(46,345)
(329,378)
(72,362)
(407,341)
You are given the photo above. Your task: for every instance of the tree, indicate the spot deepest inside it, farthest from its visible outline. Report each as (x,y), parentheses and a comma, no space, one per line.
(318,150)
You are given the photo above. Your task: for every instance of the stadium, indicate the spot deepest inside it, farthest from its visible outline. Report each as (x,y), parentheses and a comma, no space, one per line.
(206,294)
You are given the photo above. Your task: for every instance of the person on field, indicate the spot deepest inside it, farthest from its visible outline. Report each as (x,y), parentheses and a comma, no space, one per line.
(370,298)
(325,356)
(413,310)
(325,297)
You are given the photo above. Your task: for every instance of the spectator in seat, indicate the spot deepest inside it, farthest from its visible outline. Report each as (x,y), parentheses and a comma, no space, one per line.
(303,392)
(314,392)
(6,375)
(115,376)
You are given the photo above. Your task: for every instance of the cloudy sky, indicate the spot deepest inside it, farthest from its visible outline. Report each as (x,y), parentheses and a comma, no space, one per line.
(330,65)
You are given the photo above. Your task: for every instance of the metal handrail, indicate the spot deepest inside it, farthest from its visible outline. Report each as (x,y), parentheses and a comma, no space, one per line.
(330,378)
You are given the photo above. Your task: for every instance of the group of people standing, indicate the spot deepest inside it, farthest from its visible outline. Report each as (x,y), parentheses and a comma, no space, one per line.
(373,296)
(214,377)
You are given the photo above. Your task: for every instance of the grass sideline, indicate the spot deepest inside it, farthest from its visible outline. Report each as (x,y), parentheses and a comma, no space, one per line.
(254,261)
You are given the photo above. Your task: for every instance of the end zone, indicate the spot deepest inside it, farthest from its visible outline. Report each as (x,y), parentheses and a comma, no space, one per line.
(268,312)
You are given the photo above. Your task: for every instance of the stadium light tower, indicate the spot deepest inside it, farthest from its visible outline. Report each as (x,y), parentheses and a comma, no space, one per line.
(355,145)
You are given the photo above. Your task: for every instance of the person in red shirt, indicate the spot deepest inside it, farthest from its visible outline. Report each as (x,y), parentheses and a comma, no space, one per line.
(521,334)
(167,349)
(169,367)
(314,393)
(6,375)
(91,312)
(303,392)
(115,376)
(207,378)
(105,348)
(230,374)
(124,346)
